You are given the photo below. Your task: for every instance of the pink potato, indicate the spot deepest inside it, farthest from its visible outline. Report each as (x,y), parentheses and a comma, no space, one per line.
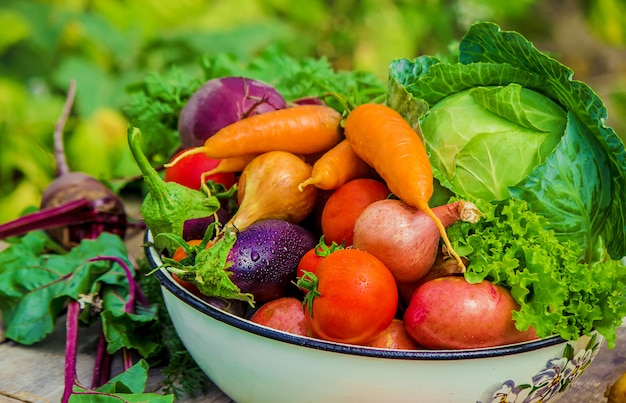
(450,313)
(285,314)
(404,238)
(395,337)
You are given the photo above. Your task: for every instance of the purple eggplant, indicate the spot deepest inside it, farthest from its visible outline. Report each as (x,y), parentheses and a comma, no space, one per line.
(265,257)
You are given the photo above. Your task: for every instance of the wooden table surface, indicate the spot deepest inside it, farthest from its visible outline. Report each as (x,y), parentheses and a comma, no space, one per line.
(35,373)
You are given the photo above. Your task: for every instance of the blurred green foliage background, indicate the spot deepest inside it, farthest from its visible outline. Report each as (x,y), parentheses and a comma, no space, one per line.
(107,45)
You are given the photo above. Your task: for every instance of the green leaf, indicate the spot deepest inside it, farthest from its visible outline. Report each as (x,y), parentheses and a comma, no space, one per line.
(490,57)
(127,330)
(487,43)
(128,386)
(557,294)
(570,189)
(132,380)
(209,271)
(168,204)
(35,285)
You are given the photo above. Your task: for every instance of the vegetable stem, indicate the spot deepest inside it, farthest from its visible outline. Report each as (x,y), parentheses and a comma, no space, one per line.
(62,167)
(73,310)
(76,211)
(101,371)
(442,230)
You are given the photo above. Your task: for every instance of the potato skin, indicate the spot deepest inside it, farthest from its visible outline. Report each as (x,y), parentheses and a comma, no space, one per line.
(285,314)
(450,313)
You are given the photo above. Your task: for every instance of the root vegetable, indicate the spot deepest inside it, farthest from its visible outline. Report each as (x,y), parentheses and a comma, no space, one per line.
(336,167)
(388,143)
(283,314)
(221,102)
(306,129)
(451,313)
(268,188)
(405,238)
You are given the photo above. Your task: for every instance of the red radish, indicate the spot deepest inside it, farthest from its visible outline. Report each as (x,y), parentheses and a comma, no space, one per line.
(451,313)
(405,238)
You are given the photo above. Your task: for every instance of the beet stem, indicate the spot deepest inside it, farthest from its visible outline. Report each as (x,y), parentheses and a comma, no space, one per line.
(71,339)
(62,167)
(100,364)
(75,211)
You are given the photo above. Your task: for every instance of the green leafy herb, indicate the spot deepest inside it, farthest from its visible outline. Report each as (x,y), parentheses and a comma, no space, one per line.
(301,78)
(154,106)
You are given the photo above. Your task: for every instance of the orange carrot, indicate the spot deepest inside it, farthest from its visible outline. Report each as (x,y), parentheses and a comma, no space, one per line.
(383,139)
(337,166)
(304,129)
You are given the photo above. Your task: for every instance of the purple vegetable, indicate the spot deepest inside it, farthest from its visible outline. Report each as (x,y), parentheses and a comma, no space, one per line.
(195,228)
(75,205)
(221,102)
(265,257)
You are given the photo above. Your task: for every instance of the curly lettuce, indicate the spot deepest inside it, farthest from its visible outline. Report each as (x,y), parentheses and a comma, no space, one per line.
(507,121)
(557,293)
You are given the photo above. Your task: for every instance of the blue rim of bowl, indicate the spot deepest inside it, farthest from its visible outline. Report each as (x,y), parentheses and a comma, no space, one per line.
(154,259)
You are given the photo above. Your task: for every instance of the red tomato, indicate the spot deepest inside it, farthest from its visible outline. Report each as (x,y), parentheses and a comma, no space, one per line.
(314,257)
(357,298)
(188,171)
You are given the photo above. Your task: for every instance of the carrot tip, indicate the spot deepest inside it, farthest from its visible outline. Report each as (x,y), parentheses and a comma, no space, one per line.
(310,181)
(184,154)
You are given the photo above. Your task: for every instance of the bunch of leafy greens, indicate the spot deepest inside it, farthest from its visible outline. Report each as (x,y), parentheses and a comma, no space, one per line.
(508,121)
(38,280)
(557,293)
(156,102)
(508,125)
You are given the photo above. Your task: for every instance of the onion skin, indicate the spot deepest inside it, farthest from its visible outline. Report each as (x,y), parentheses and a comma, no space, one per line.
(268,189)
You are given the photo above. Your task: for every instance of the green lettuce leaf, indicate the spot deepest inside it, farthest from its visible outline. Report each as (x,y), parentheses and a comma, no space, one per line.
(557,293)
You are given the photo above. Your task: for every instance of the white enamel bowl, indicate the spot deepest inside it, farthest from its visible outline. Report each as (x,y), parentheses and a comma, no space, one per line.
(253,363)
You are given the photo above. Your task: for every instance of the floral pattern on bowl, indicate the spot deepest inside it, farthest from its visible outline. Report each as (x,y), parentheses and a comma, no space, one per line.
(553,379)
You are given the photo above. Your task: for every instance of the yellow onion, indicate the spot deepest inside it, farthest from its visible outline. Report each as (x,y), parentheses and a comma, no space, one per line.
(268,188)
